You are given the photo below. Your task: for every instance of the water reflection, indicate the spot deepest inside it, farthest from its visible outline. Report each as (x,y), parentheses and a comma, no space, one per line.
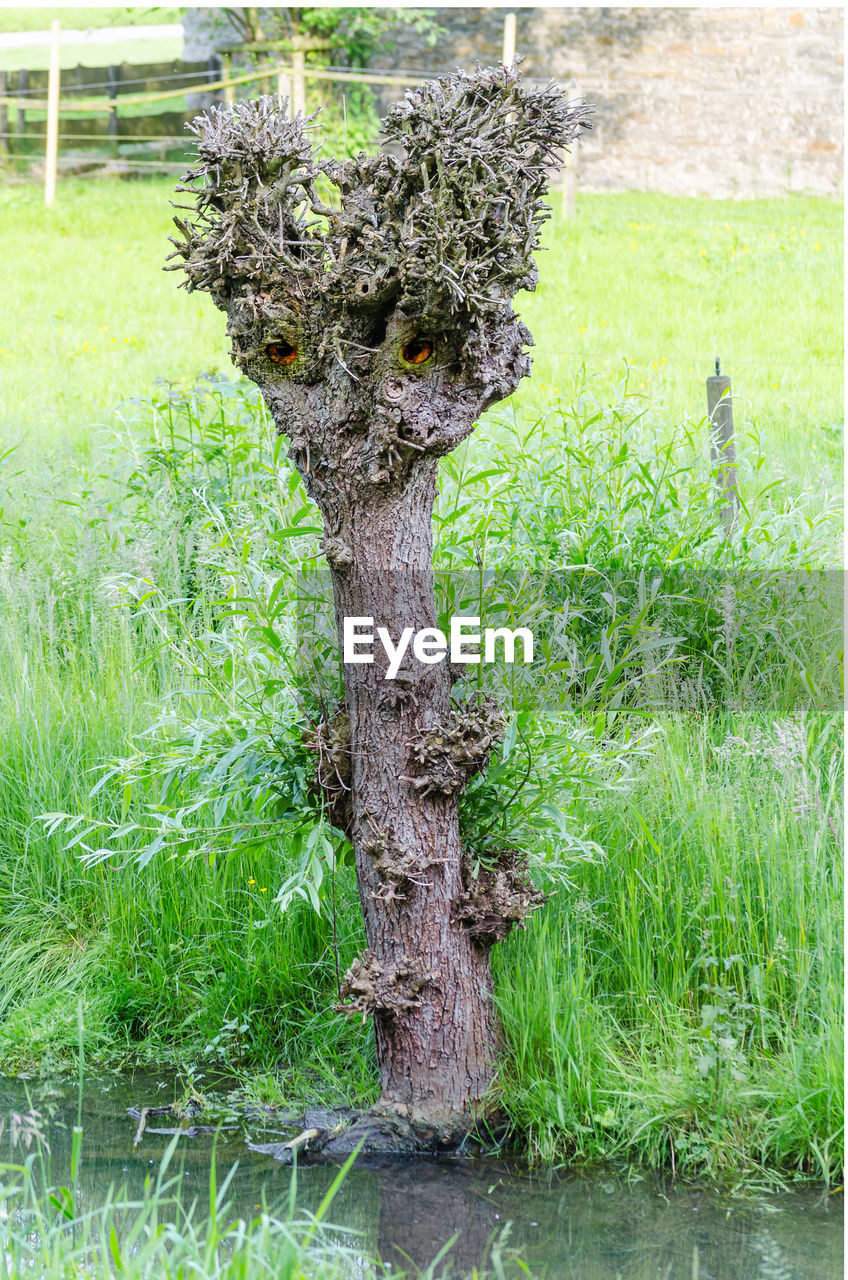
(595,1227)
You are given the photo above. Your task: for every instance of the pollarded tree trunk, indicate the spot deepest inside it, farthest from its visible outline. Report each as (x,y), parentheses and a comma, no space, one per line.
(426,982)
(378,332)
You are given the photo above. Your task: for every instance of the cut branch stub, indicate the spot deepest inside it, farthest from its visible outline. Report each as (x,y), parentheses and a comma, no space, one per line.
(373,989)
(330,740)
(498,899)
(446,757)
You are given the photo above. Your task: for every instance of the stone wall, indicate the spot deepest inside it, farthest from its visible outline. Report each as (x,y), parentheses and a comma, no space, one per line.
(688,101)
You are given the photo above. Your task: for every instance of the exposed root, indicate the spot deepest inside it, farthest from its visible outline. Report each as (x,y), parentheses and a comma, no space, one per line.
(496,900)
(395,1129)
(387,1129)
(446,757)
(142,1125)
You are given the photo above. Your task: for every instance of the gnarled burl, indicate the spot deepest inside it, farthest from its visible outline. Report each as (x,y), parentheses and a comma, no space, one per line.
(379,328)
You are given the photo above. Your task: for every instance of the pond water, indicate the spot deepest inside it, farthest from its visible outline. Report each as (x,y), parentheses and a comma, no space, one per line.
(594,1226)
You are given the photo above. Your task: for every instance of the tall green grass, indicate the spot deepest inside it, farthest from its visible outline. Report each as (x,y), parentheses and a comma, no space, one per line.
(678,999)
(682,1001)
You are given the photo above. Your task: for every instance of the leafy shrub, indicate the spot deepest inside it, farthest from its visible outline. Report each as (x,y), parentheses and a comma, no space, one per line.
(638,609)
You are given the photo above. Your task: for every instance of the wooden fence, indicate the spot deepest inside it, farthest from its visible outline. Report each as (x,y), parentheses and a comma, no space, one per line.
(105,105)
(86,118)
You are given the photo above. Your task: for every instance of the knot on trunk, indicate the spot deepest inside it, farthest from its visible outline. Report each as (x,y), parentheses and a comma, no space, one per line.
(337,553)
(496,900)
(394,451)
(330,740)
(447,756)
(399,692)
(373,989)
(397,868)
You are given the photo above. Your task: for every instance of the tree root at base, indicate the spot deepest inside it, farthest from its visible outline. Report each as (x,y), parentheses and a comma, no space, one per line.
(382,1131)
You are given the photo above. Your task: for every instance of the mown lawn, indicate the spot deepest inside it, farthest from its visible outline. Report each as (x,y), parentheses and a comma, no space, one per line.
(651,284)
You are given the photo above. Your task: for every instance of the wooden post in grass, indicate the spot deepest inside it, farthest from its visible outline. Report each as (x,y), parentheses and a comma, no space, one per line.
(262,61)
(284,90)
(52,152)
(229,89)
(722,446)
(300,46)
(298,99)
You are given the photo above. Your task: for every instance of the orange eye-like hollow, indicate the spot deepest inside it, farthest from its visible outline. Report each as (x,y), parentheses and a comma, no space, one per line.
(417,351)
(281,352)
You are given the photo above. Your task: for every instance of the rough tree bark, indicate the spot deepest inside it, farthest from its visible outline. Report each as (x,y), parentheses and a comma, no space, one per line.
(378,331)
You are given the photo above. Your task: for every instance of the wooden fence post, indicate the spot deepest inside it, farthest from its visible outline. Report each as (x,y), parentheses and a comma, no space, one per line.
(4,117)
(262,61)
(284,89)
(20,123)
(509,36)
(298,105)
(569,171)
(215,67)
(113,75)
(229,89)
(722,446)
(52,152)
